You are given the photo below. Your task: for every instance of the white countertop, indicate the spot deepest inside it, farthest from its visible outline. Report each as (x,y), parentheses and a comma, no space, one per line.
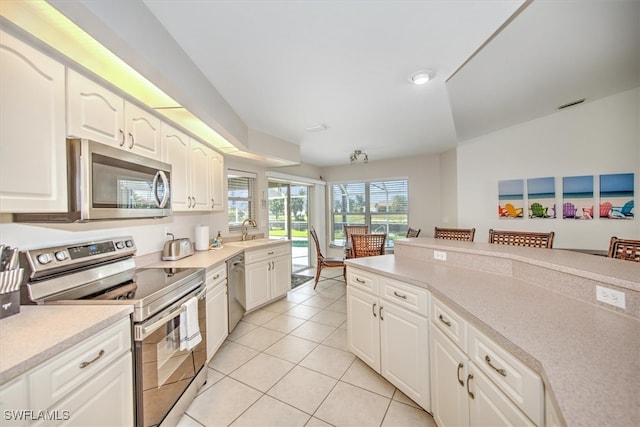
(40,332)
(588,356)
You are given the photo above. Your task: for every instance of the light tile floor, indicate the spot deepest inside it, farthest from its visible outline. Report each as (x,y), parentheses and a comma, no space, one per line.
(288,364)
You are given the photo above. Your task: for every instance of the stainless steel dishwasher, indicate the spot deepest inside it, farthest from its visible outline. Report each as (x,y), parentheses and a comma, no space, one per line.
(236,294)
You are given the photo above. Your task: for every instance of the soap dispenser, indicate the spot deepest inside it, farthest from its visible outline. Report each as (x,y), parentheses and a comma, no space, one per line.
(219,239)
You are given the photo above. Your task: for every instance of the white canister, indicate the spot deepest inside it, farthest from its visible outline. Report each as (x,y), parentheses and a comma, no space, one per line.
(202,238)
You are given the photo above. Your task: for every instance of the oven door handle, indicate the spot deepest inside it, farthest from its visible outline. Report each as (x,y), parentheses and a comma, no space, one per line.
(146,330)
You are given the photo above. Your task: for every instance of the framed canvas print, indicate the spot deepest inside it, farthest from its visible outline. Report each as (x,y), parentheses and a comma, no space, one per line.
(541,197)
(577,197)
(511,199)
(617,196)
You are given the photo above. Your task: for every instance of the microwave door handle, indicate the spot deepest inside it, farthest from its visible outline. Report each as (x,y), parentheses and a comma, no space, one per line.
(160,175)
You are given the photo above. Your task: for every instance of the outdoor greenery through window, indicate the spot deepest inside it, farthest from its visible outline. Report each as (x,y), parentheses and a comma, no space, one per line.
(241,198)
(382,205)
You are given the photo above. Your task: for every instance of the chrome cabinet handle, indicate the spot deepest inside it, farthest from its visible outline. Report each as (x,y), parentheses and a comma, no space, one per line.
(443,320)
(269,265)
(373,310)
(460,366)
(132,141)
(359,281)
(270,253)
(380,311)
(212,203)
(399,295)
(194,202)
(122,140)
(85,364)
(216,276)
(189,201)
(498,370)
(469,378)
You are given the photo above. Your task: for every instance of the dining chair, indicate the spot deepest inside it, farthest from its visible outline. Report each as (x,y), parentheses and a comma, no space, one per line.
(412,232)
(521,238)
(322,261)
(350,230)
(364,245)
(626,249)
(465,234)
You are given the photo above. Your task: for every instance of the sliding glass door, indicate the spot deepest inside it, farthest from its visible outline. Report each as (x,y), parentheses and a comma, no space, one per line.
(288,217)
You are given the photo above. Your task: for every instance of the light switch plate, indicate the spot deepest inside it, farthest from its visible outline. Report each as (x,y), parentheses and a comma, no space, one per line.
(610,296)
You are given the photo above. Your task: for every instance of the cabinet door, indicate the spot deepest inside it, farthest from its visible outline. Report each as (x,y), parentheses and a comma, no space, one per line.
(176,151)
(94,112)
(107,399)
(217,176)
(280,276)
(404,344)
(200,200)
(142,131)
(449,366)
(217,319)
(363,334)
(33,163)
(489,406)
(257,283)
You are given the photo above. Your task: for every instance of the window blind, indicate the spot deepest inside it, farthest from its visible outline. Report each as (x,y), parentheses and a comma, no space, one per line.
(241,198)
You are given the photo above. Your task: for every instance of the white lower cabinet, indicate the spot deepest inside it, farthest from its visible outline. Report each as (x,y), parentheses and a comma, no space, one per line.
(88,384)
(391,339)
(217,307)
(267,274)
(463,387)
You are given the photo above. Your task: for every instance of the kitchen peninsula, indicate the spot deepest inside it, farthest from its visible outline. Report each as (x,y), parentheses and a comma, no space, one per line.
(538,305)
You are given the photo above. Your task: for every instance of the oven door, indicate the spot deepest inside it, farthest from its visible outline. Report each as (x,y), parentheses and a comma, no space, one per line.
(163,371)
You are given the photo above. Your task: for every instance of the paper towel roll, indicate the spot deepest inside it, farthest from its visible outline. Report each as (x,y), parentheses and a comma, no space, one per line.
(202,238)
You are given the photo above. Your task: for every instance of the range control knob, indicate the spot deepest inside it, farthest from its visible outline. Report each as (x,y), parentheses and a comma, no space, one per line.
(62,255)
(120,245)
(44,258)
(129,243)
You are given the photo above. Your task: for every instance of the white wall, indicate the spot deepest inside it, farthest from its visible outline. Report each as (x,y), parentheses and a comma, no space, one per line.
(594,138)
(448,189)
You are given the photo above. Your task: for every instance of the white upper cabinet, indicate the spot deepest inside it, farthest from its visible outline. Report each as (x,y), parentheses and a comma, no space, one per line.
(33,173)
(217,174)
(95,113)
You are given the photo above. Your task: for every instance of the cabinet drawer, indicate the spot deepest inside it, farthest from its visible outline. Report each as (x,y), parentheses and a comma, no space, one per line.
(269,253)
(453,326)
(216,275)
(403,294)
(64,373)
(519,382)
(362,280)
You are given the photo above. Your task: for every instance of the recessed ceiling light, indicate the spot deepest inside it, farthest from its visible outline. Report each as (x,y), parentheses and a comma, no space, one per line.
(421,77)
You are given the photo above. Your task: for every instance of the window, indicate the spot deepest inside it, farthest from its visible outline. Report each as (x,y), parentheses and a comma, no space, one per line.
(382,205)
(241,198)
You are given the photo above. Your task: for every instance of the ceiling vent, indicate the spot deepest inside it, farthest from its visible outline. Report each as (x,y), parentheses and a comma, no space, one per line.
(317,128)
(571,104)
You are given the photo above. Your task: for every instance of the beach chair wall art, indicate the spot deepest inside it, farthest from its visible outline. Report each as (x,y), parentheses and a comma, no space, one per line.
(511,199)
(577,197)
(541,193)
(617,196)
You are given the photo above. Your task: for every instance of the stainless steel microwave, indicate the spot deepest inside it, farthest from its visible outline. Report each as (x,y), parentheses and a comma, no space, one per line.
(106,182)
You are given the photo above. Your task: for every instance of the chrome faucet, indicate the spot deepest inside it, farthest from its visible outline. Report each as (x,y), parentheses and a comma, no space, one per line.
(252,222)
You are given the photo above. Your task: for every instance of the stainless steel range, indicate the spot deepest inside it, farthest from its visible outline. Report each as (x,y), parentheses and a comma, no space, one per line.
(103,272)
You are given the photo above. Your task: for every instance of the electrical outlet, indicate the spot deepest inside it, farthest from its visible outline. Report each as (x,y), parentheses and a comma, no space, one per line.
(609,296)
(442,256)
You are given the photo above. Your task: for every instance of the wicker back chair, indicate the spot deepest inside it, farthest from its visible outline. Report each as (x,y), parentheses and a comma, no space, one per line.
(626,249)
(521,238)
(412,232)
(466,234)
(368,244)
(350,230)
(323,262)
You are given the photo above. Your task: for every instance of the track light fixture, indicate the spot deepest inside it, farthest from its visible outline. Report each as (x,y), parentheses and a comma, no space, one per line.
(356,154)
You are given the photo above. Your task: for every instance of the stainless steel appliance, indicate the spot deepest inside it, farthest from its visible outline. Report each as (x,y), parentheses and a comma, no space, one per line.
(236,290)
(107,182)
(103,272)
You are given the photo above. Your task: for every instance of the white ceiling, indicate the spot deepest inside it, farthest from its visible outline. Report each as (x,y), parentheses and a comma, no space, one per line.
(283,66)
